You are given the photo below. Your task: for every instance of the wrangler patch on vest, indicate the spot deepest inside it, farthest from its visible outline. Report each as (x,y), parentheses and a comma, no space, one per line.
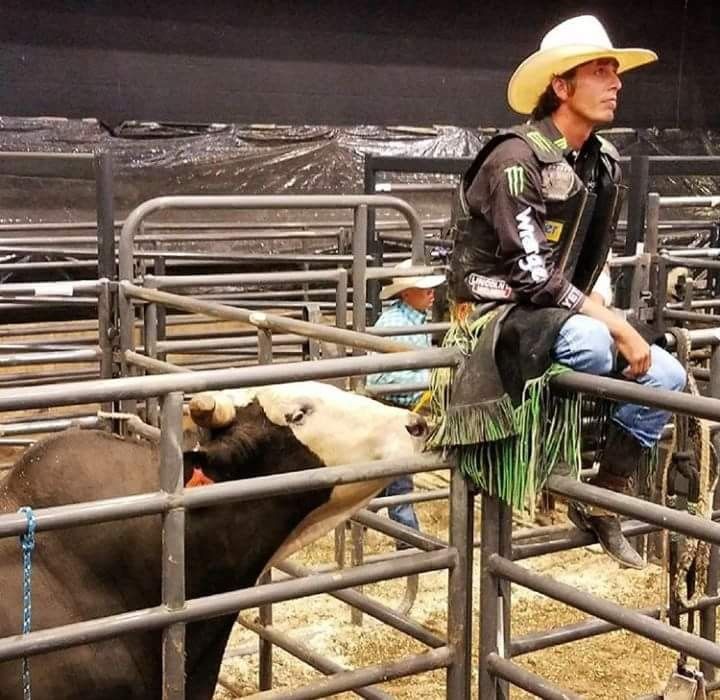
(515,175)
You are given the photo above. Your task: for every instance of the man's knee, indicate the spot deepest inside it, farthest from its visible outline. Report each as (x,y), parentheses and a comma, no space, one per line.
(670,374)
(586,345)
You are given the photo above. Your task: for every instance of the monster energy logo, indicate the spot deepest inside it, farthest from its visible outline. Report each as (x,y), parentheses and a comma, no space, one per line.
(561,143)
(542,142)
(516,179)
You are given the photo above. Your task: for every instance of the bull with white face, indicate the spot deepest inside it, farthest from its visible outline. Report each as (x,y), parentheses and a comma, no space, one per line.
(106,569)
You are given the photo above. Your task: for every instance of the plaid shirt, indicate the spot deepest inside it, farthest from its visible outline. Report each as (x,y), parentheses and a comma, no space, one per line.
(400,314)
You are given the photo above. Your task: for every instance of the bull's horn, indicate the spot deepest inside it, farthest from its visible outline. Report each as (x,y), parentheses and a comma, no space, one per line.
(212,410)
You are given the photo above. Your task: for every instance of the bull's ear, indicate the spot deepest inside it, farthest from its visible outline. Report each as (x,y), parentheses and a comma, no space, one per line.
(193,459)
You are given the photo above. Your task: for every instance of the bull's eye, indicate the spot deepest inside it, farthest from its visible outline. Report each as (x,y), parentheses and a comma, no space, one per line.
(418,427)
(296,417)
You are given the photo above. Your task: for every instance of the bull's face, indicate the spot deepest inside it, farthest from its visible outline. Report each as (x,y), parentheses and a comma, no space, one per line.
(337,426)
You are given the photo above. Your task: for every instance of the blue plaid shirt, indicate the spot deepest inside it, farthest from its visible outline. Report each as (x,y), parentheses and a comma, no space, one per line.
(400,314)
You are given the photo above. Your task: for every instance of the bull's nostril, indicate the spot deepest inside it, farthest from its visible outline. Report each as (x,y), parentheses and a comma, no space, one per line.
(417,427)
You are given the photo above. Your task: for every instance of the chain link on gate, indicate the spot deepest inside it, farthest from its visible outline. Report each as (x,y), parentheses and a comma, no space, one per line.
(27,542)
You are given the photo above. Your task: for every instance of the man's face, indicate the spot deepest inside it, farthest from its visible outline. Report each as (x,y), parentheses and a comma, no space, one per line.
(592,95)
(418,299)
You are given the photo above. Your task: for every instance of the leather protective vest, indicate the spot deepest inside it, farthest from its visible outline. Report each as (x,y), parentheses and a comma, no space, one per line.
(580,221)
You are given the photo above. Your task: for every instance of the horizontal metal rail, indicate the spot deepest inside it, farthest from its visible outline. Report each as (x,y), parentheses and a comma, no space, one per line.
(53,357)
(656,631)
(108,510)
(264,320)
(307,655)
(522,678)
(374,608)
(137,216)
(100,629)
(662,516)
(381,673)
(265,278)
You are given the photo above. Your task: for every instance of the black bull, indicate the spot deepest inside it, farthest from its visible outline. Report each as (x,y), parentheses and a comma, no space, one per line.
(100,570)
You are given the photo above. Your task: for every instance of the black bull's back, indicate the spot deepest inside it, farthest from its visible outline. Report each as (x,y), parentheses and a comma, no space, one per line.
(105,569)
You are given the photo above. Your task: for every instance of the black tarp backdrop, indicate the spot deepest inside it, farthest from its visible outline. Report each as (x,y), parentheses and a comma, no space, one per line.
(309,63)
(316,62)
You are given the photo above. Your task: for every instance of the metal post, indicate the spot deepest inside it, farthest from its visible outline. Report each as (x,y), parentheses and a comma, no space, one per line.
(173,546)
(161,314)
(105,215)
(708,616)
(311,313)
(639,178)
(341,297)
(265,612)
(106,333)
(359,282)
(373,243)
(459,625)
(492,606)
(150,342)
(356,559)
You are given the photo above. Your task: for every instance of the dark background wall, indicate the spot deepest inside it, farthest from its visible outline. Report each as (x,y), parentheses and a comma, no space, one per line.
(303,62)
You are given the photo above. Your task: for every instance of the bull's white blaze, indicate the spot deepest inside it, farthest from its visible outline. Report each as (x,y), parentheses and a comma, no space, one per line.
(340,428)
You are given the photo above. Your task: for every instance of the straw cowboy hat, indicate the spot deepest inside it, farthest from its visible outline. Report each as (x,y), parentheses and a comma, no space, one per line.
(570,43)
(400,284)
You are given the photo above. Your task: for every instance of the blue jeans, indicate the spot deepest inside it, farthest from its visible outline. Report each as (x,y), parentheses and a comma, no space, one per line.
(403,513)
(585,345)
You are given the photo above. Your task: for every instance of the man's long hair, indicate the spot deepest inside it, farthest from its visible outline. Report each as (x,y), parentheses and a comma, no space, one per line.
(548,102)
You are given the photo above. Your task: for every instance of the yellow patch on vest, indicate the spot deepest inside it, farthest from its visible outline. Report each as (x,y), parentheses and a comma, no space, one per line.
(553,230)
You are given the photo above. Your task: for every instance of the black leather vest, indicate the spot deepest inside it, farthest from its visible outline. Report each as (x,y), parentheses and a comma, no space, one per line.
(581,216)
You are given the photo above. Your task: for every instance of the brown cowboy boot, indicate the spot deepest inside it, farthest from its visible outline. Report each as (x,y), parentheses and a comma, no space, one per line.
(619,462)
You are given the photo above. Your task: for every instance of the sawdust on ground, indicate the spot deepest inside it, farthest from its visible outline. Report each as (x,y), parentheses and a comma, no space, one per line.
(609,667)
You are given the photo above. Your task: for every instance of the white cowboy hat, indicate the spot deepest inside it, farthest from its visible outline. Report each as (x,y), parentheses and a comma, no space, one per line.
(400,284)
(570,43)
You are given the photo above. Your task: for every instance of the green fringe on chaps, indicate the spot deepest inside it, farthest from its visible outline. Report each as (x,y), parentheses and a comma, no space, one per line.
(506,451)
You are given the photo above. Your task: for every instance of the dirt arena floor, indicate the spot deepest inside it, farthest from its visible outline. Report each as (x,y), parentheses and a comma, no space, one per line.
(610,667)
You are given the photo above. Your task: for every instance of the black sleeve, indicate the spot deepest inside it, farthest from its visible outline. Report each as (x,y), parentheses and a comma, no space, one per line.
(510,198)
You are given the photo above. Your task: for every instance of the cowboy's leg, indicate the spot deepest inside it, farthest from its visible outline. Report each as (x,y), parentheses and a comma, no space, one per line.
(585,345)
(403,513)
(646,424)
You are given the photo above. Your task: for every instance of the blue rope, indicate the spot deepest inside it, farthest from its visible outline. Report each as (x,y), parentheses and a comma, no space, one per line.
(27,542)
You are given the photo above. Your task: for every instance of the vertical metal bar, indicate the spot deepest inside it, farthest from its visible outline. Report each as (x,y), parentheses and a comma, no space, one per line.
(460,588)
(341,296)
(505,547)
(105,215)
(359,283)
(708,616)
(356,557)
(305,285)
(161,329)
(639,179)
(373,244)
(265,348)
(173,546)
(265,612)
(150,342)
(340,546)
(652,229)
(311,313)
(105,330)
(496,536)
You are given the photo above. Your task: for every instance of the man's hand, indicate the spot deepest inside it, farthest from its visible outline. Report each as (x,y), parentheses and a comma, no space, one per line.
(632,346)
(629,343)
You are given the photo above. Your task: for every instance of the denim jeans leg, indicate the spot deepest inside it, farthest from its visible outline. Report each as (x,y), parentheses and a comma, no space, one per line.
(403,513)
(585,345)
